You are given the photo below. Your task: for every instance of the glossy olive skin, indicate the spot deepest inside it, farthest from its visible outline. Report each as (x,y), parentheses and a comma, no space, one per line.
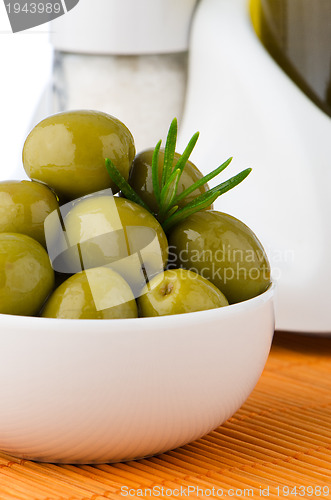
(67,151)
(179,291)
(24,205)
(98,293)
(224,250)
(140,178)
(114,231)
(26,275)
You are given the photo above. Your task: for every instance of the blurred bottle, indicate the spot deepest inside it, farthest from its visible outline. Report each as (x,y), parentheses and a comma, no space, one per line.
(297,33)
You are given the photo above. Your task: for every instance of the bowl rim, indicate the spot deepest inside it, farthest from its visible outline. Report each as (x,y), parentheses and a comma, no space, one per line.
(210,314)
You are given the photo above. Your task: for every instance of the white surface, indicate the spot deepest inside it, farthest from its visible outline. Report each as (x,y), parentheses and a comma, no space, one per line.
(124,27)
(26,60)
(110,390)
(245,106)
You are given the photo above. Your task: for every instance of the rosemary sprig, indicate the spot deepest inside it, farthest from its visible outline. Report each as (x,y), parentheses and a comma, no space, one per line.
(204,200)
(124,186)
(165,192)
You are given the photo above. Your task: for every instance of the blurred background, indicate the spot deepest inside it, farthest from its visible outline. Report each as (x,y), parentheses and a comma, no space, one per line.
(26,65)
(95,57)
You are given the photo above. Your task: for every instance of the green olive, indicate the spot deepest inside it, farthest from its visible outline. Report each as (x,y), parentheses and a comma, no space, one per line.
(67,151)
(109,230)
(24,206)
(178,291)
(98,293)
(140,178)
(224,250)
(26,275)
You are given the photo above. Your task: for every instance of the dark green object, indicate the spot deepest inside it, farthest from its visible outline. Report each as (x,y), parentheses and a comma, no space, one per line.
(222,249)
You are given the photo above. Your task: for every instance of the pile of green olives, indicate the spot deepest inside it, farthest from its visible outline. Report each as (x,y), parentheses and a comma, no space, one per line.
(73,245)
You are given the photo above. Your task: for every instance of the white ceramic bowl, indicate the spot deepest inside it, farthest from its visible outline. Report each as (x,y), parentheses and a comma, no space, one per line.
(93,391)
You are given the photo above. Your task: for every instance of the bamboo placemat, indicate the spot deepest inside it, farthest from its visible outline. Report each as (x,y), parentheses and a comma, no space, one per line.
(278,445)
